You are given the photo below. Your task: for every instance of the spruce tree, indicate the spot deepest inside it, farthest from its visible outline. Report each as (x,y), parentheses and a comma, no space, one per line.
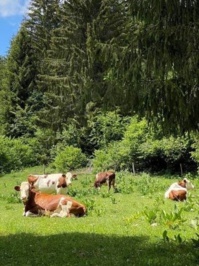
(4,95)
(20,85)
(158,66)
(68,65)
(76,69)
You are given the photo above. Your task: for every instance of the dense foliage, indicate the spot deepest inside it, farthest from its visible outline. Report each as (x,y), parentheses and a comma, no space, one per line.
(141,149)
(79,71)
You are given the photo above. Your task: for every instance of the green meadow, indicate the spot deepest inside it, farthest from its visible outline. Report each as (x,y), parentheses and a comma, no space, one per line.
(135,226)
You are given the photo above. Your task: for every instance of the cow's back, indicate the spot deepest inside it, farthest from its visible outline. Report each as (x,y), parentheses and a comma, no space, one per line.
(47,183)
(103,176)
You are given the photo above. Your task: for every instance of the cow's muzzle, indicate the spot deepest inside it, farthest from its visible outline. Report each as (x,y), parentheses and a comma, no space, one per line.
(24,200)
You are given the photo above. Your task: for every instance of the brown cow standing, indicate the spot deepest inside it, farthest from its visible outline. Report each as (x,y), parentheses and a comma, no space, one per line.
(107,177)
(39,203)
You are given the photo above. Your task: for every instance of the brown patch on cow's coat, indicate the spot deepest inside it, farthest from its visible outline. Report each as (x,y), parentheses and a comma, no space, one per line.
(178,195)
(62,181)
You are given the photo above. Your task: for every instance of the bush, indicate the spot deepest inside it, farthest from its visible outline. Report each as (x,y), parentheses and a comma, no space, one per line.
(195,152)
(140,147)
(14,154)
(119,155)
(69,158)
(116,157)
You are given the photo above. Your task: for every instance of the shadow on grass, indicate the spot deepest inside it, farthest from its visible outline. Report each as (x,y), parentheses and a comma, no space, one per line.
(75,249)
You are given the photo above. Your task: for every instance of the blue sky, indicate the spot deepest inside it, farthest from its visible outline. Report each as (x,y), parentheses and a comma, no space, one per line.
(12,13)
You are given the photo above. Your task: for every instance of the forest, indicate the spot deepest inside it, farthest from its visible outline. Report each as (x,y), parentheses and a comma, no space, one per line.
(107,84)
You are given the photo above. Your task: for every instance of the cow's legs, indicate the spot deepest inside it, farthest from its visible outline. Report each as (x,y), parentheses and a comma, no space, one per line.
(111,183)
(30,214)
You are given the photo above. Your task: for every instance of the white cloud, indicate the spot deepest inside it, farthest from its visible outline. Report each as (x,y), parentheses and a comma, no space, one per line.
(10,8)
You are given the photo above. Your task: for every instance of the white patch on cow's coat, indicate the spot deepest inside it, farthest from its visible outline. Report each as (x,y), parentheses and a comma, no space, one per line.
(63,210)
(30,214)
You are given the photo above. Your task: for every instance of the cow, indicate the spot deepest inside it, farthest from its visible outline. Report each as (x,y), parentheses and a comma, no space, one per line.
(178,191)
(107,177)
(37,203)
(51,183)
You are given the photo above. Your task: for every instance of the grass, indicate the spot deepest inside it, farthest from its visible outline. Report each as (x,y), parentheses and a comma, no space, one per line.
(135,226)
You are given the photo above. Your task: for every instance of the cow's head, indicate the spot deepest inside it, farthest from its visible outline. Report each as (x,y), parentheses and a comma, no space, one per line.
(69,177)
(24,189)
(186,184)
(97,184)
(62,182)
(32,179)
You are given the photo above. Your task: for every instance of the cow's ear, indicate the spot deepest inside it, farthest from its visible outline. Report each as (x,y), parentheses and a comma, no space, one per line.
(17,188)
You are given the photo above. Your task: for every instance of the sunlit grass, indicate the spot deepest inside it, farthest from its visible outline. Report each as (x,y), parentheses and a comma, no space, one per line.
(135,226)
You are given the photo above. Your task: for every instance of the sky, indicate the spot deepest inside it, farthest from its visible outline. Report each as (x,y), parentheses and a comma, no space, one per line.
(12,13)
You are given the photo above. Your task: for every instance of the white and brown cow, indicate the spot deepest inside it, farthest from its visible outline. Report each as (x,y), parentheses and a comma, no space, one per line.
(107,177)
(178,191)
(51,183)
(38,203)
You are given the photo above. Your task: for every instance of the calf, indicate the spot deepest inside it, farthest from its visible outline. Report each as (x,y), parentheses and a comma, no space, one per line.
(178,191)
(51,183)
(107,177)
(37,203)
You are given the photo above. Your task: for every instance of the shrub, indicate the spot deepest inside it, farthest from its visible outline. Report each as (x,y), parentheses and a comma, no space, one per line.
(69,158)
(14,154)
(195,152)
(101,129)
(144,150)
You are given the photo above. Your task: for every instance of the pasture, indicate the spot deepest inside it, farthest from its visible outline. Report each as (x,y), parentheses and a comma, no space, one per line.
(135,226)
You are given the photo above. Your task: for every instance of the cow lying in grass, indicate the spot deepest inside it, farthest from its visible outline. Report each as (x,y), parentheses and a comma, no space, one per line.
(38,203)
(51,183)
(178,190)
(107,177)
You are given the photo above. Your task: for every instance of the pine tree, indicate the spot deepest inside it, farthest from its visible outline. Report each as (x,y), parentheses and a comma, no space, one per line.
(158,66)
(25,65)
(4,96)
(43,19)
(21,86)
(75,68)
(67,61)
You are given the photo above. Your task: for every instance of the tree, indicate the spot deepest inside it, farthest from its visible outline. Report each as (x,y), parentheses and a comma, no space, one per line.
(20,85)
(158,65)
(68,68)
(25,65)
(4,95)
(76,74)
(43,19)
